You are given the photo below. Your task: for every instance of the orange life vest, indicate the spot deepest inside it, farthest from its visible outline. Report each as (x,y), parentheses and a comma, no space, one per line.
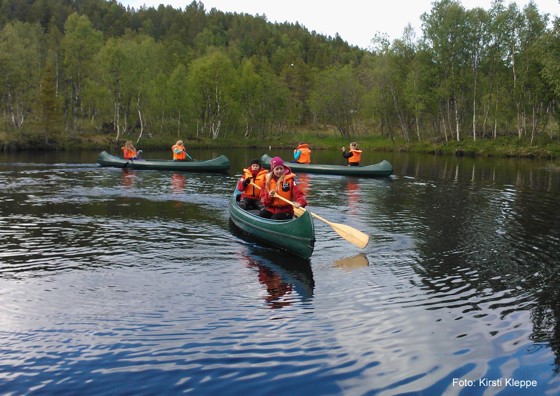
(356,156)
(258,180)
(179,156)
(280,191)
(305,156)
(128,153)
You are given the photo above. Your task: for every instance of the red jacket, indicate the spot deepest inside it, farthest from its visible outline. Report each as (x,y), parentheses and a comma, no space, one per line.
(288,189)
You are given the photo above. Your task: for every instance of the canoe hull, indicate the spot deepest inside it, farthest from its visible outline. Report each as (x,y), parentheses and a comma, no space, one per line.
(381,169)
(296,236)
(218,164)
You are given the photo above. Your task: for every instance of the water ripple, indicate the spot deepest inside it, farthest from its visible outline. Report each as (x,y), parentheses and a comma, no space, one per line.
(118,282)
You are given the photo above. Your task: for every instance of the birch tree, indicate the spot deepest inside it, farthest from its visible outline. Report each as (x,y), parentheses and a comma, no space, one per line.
(79,45)
(336,99)
(445,31)
(210,79)
(19,70)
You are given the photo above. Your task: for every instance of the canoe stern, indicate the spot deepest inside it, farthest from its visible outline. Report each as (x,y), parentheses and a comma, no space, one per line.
(296,236)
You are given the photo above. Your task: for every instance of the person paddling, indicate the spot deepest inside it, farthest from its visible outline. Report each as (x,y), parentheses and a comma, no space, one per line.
(179,152)
(354,155)
(280,181)
(129,151)
(250,196)
(302,154)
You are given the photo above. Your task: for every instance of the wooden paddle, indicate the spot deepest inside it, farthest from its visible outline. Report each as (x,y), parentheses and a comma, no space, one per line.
(298,212)
(188,156)
(352,235)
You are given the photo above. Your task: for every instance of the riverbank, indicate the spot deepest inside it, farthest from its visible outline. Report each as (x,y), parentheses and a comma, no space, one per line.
(318,140)
(501,147)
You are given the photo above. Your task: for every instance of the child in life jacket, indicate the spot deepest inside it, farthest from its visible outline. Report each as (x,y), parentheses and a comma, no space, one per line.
(179,152)
(129,151)
(250,196)
(302,154)
(353,155)
(280,181)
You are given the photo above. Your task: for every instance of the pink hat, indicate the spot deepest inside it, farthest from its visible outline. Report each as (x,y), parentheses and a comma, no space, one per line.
(276,161)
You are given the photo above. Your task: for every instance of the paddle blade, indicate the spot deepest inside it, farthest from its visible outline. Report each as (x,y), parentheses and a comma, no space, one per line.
(352,235)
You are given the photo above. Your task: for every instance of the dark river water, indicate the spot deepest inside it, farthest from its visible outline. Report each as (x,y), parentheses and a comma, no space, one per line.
(126,282)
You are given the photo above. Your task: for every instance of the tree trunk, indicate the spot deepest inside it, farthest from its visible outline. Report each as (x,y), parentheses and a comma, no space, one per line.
(404,128)
(116,120)
(179,125)
(457,127)
(533,125)
(474,112)
(140,118)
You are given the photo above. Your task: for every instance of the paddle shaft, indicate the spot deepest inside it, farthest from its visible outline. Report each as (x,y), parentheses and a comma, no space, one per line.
(297,211)
(278,196)
(352,235)
(191,158)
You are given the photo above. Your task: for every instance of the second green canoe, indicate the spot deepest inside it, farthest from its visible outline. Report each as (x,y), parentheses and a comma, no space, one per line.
(218,164)
(381,169)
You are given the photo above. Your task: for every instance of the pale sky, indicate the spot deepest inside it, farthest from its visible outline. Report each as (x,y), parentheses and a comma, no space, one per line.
(356,21)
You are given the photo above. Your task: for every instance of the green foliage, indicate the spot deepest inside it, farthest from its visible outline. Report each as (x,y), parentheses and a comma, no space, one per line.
(336,99)
(51,109)
(20,68)
(210,79)
(72,69)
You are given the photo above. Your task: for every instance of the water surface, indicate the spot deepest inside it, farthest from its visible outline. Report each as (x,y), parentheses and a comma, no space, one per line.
(136,282)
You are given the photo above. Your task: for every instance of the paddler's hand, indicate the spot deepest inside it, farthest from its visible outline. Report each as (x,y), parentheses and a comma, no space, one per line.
(272,193)
(297,205)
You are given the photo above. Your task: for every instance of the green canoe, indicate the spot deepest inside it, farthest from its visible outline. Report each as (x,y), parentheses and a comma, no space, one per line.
(381,169)
(296,236)
(218,164)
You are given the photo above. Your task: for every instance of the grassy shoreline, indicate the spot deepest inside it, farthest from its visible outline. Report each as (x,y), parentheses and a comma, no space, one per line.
(501,147)
(506,147)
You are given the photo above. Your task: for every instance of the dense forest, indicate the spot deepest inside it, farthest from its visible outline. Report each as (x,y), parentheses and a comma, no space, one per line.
(71,69)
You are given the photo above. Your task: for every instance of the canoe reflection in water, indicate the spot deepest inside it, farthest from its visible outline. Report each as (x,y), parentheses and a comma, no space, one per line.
(278,290)
(178,181)
(128,178)
(353,196)
(286,283)
(287,279)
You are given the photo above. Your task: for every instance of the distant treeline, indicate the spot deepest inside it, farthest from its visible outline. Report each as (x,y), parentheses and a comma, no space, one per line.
(74,68)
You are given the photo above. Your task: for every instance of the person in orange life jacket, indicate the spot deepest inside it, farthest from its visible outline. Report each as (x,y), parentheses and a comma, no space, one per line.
(179,152)
(353,155)
(250,197)
(302,154)
(280,181)
(129,151)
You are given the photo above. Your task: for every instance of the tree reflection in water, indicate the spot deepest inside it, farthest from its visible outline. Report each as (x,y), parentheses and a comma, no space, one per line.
(493,228)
